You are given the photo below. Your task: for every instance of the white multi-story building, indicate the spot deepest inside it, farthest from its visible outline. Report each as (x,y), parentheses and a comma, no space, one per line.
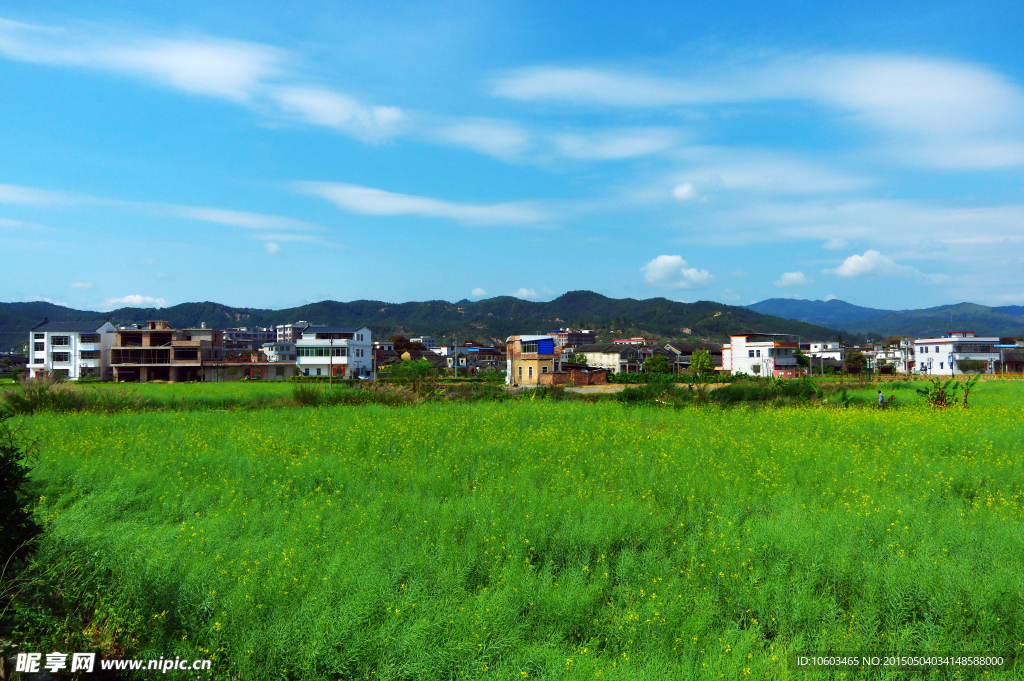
(71,350)
(248,338)
(428,341)
(342,352)
(762,354)
(825,350)
(289,333)
(279,352)
(942,356)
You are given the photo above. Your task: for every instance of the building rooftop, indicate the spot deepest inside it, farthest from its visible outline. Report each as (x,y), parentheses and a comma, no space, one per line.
(70,327)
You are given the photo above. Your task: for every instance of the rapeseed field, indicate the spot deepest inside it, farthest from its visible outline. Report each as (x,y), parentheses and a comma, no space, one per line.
(533,539)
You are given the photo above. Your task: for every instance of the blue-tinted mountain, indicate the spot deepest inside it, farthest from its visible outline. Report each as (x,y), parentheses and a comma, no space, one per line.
(823,312)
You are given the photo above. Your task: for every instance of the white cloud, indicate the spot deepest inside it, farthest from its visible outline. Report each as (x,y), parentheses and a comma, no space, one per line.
(792,279)
(874,264)
(234,218)
(526,294)
(369,201)
(81,285)
(10,193)
(831,297)
(835,243)
(758,170)
(335,110)
(502,139)
(684,192)
(729,294)
(477,292)
(672,271)
(945,113)
(138,301)
(246,73)
(272,248)
(616,144)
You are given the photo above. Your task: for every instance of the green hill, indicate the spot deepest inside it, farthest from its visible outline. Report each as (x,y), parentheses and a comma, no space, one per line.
(936,321)
(486,321)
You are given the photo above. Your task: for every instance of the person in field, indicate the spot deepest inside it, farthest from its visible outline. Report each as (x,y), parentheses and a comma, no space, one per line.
(881,400)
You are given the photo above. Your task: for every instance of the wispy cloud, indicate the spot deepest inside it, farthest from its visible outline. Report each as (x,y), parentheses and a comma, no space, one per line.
(250,74)
(272,248)
(494,137)
(477,292)
(293,230)
(370,201)
(526,294)
(613,145)
(82,285)
(945,113)
(673,272)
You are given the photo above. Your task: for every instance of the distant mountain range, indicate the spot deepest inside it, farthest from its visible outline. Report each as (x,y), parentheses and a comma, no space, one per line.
(1007,320)
(486,321)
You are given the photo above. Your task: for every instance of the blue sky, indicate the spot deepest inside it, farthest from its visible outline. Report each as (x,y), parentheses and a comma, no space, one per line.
(273,154)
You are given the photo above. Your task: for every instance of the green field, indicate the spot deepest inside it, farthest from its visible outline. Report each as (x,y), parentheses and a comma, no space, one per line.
(532,539)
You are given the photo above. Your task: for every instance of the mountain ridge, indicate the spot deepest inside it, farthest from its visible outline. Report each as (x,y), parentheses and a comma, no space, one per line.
(488,320)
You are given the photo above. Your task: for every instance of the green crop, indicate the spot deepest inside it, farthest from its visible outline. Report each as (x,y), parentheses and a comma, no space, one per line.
(532,539)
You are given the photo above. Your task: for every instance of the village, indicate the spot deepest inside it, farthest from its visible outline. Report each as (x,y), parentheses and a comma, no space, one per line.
(157,352)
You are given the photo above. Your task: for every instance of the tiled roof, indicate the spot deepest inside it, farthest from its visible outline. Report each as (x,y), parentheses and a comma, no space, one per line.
(69,327)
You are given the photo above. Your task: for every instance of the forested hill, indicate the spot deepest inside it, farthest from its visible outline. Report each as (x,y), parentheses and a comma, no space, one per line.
(485,321)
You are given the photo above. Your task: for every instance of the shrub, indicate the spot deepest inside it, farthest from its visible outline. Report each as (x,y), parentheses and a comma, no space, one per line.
(43,394)
(306,394)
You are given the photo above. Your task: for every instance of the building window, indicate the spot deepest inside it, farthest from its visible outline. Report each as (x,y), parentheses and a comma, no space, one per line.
(531,372)
(940,365)
(40,347)
(936,348)
(90,354)
(60,340)
(543,370)
(37,360)
(95,338)
(38,336)
(62,357)
(317,372)
(280,371)
(520,372)
(751,353)
(758,353)
(529,347)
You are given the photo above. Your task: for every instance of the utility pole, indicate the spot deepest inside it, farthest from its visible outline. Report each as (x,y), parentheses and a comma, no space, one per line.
(330,370)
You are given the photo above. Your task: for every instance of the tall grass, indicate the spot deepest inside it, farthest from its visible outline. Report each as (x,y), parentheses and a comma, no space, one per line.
(531,539)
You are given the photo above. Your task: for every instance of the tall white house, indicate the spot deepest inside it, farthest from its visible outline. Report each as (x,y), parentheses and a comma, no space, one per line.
(70,350)
(956,353)
(279,352)
(342,352)
(762,354)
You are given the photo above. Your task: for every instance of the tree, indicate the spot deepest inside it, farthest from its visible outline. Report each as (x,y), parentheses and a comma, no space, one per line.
(658,364)
(856,361)
(700,362)
(577,358)
(412,369)
(403,344)
(802,359)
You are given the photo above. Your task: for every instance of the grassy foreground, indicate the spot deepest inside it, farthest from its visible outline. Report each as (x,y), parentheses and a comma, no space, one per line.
(527,540)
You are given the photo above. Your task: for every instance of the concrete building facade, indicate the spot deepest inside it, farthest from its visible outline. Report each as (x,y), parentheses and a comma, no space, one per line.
(341,352)
(762,354)
(527,358)
(70,350)
(159,352)
(942,356)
